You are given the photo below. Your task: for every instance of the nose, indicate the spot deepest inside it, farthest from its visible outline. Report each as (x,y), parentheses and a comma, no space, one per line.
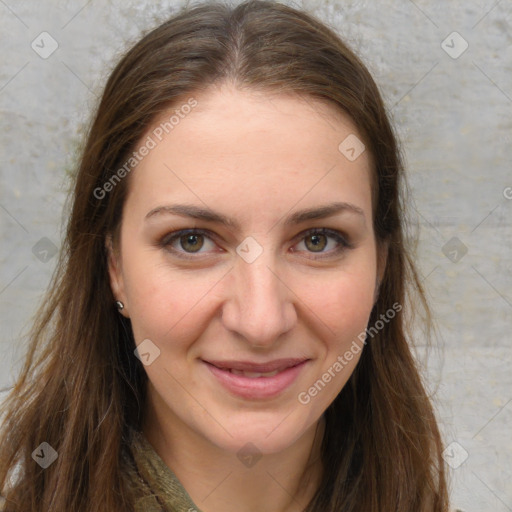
(259,305)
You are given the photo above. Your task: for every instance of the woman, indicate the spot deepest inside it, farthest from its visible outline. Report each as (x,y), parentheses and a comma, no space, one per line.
(226,330)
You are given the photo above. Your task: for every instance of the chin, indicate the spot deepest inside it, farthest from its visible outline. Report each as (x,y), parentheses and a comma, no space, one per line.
(263,432)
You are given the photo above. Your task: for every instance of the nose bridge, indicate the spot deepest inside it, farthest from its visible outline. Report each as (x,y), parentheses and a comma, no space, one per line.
(261,308)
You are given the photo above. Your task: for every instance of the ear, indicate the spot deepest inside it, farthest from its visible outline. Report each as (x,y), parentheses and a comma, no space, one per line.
(116,274)
(382,259)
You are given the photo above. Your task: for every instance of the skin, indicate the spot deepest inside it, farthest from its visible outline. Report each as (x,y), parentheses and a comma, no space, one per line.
(256,157)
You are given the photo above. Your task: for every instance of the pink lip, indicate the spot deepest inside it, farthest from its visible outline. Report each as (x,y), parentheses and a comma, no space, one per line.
(270,366)
(259,387)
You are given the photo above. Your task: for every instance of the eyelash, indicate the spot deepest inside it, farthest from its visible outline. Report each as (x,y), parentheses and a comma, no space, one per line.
(168,239)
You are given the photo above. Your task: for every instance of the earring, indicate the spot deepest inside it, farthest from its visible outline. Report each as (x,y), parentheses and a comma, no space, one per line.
(119,305)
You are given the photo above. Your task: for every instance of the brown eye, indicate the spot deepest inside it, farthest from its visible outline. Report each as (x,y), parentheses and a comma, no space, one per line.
(318,242)
(191,243)
(188,243)
(323,243)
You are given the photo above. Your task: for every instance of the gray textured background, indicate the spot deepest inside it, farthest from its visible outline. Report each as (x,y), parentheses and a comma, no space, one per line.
(454,116)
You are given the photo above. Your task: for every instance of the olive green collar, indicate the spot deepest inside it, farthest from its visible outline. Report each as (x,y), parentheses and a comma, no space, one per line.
(163,491)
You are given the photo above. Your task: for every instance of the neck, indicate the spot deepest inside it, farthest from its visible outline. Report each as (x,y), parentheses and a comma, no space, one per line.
(217,481)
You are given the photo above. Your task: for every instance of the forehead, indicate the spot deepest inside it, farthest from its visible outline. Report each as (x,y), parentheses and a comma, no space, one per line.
(248,150)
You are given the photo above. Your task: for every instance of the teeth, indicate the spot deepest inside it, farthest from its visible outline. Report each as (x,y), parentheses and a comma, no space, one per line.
(254,375)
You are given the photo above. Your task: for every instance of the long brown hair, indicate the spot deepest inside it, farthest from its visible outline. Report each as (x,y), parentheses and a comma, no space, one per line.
(81,388)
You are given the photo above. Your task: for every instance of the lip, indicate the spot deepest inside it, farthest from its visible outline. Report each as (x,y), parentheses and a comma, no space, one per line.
(249,366)
(259,387)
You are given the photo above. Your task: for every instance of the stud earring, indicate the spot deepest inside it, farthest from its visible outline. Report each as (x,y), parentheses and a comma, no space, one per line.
(119,305)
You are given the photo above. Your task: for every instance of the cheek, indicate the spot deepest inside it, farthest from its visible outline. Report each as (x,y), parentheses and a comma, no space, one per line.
(342,302)
(166,304)
(353,302)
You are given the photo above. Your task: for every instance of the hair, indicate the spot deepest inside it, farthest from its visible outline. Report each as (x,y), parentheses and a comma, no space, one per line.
(81,389)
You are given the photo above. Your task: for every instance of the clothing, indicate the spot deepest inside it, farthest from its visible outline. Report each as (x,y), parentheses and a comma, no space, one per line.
(159,487)
(154,486)
(163,481)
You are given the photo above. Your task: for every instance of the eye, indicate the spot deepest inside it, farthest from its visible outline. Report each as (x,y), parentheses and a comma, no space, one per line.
(187,242)
(317,239)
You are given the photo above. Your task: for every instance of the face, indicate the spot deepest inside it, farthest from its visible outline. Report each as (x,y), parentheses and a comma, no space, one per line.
(247,265)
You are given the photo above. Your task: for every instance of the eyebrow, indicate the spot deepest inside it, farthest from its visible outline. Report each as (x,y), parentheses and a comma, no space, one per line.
(206,214)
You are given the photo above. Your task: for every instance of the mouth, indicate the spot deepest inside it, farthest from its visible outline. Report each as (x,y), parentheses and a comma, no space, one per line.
(252,380)
(255,370)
